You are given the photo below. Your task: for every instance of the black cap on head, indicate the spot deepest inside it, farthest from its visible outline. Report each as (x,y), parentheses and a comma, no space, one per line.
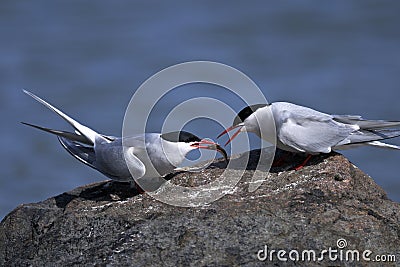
(180,136)
(246,112)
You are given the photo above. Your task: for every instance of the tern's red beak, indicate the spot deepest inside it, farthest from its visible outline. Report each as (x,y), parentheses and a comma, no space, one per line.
(207,144)
(230,129)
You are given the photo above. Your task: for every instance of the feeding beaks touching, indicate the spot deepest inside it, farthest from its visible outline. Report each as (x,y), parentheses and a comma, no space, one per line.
(207,144)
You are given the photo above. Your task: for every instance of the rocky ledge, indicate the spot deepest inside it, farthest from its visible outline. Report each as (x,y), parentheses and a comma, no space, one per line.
(330,207)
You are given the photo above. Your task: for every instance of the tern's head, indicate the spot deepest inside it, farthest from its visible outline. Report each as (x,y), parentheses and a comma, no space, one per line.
(190,142)
(245,121)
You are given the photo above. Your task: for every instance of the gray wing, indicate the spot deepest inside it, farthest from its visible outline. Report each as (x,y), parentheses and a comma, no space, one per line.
(366,124)
(312,133)
(84,154)
(107,158)
(79,150)
(370,130)
(67,135)
(116,162)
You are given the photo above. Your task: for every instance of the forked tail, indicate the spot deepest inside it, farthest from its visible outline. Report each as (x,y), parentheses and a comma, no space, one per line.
(83,133)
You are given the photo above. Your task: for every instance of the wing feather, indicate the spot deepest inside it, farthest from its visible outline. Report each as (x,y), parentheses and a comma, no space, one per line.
(307,130)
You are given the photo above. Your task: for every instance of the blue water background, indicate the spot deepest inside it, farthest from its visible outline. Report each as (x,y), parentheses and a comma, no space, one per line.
(88,58)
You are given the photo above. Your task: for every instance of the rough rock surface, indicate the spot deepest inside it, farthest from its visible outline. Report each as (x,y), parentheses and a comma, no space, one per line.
(110,224)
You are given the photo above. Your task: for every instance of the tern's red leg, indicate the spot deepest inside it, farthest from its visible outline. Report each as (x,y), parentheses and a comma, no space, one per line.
(304,163)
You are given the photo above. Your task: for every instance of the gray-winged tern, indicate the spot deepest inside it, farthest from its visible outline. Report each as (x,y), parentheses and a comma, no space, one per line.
(144,156)
(300,129)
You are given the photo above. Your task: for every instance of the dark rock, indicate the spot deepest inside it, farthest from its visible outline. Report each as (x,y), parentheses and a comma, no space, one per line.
(110,224)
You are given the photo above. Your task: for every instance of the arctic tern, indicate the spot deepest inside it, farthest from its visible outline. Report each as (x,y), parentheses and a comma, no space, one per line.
(145,156)
(301,129)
